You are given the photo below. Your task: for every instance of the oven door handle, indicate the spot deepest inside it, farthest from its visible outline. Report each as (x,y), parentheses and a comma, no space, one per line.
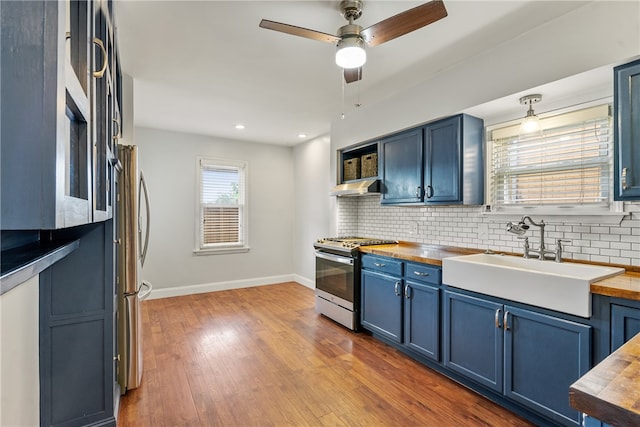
(335,258)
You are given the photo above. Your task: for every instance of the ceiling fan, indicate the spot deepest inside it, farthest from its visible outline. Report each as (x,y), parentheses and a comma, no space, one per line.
(352,38)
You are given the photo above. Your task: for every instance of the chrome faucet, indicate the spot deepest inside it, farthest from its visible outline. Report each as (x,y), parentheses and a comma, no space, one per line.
(542,252)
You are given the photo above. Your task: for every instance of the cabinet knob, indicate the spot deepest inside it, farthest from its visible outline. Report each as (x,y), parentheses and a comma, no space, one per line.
(420,273)
(117,241)
(418,192)
(396,289)
(379,264)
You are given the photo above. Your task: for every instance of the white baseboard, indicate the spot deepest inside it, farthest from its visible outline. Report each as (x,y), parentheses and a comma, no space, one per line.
(309,283)
(233,284)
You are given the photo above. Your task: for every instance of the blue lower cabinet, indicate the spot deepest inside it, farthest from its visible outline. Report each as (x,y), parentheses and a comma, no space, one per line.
(422,319)
(625,324)
(593,422)
(529,357)
(544,355)
(77,348)
(382,304)
(401,303)
(473,338)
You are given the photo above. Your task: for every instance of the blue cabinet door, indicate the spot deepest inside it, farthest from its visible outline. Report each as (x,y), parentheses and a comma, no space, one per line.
(422,319)
(473,338)
(382,304)
(627,131)
(442,161)
(625,324)
(402,168)
(77,371)
(544,355)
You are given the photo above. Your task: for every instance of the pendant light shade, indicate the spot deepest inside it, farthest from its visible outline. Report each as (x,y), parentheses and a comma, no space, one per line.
(531,122)
(350,52)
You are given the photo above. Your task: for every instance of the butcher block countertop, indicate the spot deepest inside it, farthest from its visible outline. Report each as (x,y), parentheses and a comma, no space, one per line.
(625,286)
(610,392)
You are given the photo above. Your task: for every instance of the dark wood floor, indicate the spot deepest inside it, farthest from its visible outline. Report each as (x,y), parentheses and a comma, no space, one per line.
(262,357)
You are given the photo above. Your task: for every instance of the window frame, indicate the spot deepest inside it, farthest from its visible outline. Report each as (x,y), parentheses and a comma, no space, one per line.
(612,213)
(243,240)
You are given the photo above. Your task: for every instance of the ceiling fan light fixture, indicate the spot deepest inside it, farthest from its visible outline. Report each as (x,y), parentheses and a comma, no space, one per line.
(350,53)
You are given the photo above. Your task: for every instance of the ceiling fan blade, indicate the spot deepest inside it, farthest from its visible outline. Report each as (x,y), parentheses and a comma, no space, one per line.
(299,31)
(352,74)
(404,23)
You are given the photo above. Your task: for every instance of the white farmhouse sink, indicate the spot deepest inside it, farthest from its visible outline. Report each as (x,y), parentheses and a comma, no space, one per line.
(562,287)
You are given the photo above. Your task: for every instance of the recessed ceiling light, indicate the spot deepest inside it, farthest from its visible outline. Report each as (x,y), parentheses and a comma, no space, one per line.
(239,126)
(302,135)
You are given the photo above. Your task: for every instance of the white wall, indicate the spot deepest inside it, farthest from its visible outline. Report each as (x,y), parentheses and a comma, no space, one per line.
(19,364)
(168,160)
(311,186)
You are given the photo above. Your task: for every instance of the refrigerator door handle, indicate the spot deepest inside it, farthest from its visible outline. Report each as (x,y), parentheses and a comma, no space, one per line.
(143,252)
(143,295)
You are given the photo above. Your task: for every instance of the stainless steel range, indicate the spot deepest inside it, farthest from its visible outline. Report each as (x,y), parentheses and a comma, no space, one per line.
(338,277)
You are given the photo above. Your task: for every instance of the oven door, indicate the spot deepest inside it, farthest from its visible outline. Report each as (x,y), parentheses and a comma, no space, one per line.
(335,276)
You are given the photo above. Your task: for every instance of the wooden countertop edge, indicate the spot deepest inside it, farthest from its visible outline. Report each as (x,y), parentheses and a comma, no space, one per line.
(596,392)
(433,254)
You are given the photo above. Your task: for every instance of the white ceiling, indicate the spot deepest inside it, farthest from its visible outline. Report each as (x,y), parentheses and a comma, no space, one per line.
(204,66)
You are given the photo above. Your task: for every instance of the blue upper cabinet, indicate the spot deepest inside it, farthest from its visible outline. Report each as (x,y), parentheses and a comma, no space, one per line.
(402,168)
(55,108)
(627,131)
(440,163)
(454,161)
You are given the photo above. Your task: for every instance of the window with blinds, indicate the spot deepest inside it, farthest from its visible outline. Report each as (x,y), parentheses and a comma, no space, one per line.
(567,164)
(221,205)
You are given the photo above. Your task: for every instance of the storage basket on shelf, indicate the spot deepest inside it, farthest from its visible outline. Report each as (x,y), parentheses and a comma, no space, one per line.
(369,165)
(351,169)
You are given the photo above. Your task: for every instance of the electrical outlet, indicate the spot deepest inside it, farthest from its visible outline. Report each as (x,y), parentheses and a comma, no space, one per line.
(414,228)
(483,231)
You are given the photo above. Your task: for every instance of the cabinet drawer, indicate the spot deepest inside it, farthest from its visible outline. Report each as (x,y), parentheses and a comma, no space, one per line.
(423,273)
(386,265)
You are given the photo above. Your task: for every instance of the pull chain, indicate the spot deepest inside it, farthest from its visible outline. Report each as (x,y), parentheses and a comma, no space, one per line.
(342,80)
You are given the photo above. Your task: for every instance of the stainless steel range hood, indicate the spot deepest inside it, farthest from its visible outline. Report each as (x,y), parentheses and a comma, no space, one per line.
(364,187)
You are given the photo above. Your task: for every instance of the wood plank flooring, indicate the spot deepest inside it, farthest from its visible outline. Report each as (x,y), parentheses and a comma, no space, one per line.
(262,357)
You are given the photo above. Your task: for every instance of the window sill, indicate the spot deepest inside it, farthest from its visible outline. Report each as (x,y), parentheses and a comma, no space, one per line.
(560,216)
(221,251)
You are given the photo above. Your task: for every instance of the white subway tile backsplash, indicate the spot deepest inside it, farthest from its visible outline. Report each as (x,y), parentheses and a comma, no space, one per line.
(459,226)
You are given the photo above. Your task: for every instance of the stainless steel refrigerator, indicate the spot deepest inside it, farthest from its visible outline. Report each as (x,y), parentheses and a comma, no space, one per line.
(133,218)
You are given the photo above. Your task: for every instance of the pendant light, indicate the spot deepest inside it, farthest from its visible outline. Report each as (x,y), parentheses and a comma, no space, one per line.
(531,122)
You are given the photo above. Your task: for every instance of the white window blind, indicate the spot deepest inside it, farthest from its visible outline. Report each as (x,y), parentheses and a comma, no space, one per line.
(222,205)
(567,164)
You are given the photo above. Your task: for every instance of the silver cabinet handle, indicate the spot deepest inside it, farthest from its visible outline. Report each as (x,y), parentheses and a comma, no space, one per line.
(498,311)
(429,191)
(116,120)
(100,73)
(418,191)
(379,264)
(506,320)
(397,289)
(407,292)
(419,273)
(623,178)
